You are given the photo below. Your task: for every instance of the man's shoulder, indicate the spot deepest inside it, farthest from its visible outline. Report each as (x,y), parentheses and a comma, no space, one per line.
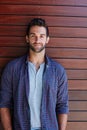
(57,68)
(18,60)
(56,64)
(16,63)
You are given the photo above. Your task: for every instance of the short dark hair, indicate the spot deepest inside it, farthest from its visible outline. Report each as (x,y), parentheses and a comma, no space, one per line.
(39,22)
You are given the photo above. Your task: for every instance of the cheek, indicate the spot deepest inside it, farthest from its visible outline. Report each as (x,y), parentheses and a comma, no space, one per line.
(44,40)
(31,41)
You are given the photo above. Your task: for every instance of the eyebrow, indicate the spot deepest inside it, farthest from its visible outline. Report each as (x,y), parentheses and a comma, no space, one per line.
(34,33)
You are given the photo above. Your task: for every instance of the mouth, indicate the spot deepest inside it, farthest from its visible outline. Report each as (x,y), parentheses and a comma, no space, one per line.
(37,44)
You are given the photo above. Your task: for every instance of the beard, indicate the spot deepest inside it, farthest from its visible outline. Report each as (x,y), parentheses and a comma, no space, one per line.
(36,50)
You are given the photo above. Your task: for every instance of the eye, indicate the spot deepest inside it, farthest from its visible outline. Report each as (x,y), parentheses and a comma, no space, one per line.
(32,35)
(42,36)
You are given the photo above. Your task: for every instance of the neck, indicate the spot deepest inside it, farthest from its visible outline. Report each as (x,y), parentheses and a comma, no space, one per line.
(36,58)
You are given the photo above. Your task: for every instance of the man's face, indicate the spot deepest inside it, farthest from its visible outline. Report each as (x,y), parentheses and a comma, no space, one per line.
(37,38)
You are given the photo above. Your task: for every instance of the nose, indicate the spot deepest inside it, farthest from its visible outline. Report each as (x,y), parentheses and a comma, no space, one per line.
(37,39)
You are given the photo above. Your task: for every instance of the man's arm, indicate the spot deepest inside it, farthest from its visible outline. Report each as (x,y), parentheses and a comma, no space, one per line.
(6,118)
(6,97)
(62,107)
(62,121)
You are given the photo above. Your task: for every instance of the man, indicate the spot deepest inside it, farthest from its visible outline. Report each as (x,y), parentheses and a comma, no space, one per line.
(34,93)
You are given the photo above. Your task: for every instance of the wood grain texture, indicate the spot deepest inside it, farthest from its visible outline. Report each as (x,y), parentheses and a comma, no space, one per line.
(78,116)
(12,41)
(52,52)
(43,10)
(77,84)
(12,52)
(78,105)
(67,21)
(51,20)
(67,53)
(78,95)
(77,74)
(68,42)
(77,126)
(73,63)
(58,32)
(47,2)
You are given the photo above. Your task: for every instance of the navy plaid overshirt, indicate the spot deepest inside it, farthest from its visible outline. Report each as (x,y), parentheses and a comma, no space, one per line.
(14,92)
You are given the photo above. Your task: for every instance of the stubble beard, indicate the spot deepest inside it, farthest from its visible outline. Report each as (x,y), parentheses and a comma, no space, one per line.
(37,51)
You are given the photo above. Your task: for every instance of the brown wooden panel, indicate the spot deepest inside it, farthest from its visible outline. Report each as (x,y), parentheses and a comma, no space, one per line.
(68,42)
(17,20)
(72,2)
(78,116)
(78,105)
(13,52)
(67,53)
(78,84)
(68,32)
(46,2)
(12,31)
(52,52)
(51,20)
(77,74)
(43,10)
(54,42)
(62,32)
(77,126)
(78,95)
(12,41)
(73,63)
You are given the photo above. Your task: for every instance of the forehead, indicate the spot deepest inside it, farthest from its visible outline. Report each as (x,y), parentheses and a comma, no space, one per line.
(38,29)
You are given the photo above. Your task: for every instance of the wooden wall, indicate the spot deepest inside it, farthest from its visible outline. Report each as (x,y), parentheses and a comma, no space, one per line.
(67,22)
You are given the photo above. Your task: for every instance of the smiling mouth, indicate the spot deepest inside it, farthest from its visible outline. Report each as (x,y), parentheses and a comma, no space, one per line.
(37,44)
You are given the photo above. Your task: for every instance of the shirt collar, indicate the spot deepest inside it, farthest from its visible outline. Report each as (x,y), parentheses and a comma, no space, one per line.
(47,60)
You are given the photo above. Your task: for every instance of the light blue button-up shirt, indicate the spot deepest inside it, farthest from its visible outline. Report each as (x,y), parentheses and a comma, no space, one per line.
(35,93)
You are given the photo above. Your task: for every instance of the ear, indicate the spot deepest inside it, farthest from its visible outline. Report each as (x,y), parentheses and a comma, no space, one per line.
(48,38)
(27,39)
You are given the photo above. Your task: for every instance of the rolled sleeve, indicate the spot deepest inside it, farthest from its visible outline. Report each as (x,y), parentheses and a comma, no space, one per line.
(6,88)
(62,95)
